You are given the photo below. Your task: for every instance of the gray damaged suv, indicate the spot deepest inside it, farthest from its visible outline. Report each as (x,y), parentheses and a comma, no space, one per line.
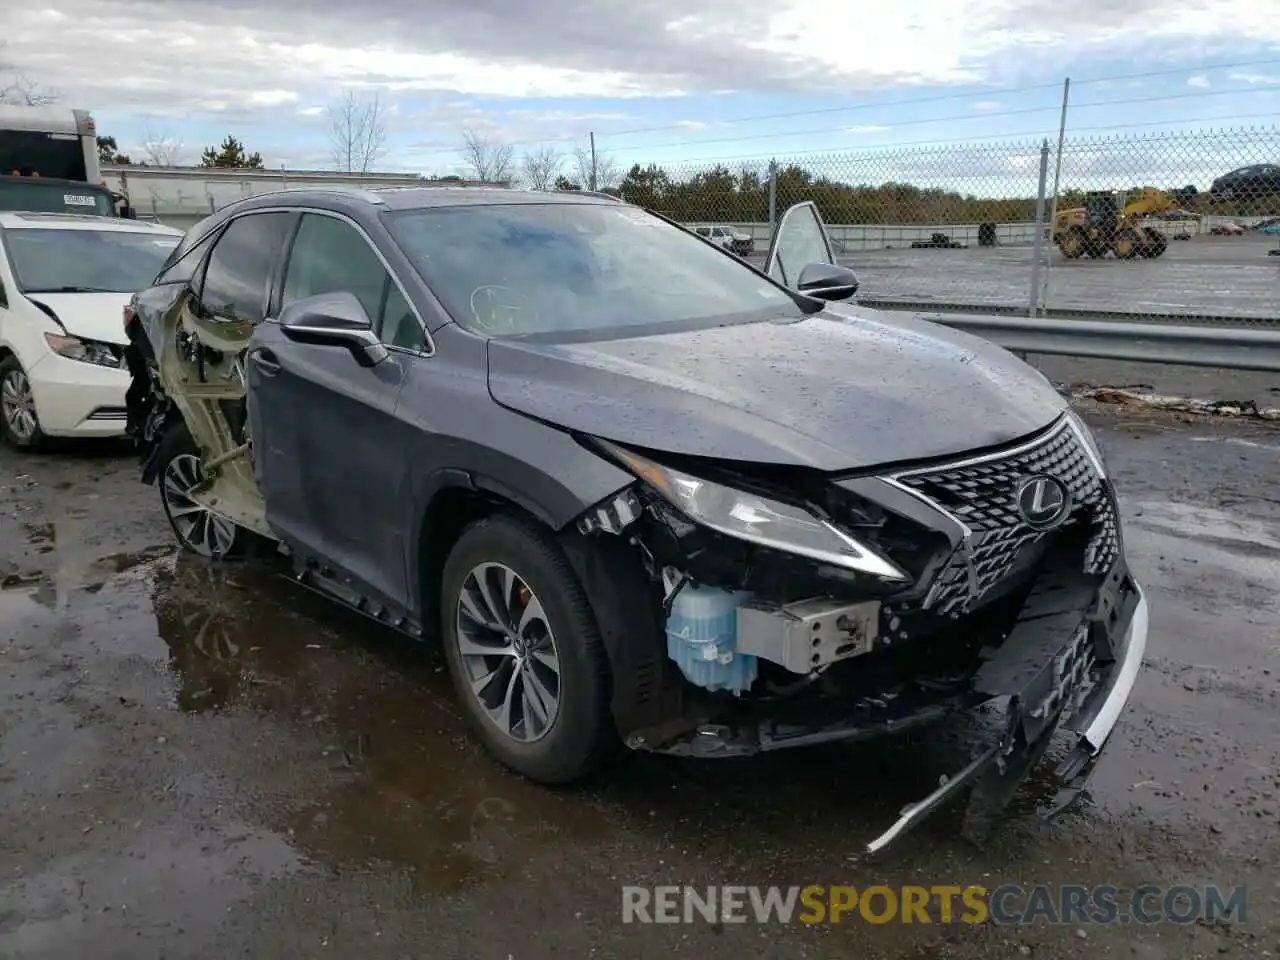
(641,491)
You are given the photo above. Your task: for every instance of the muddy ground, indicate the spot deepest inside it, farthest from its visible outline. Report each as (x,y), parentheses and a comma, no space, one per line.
(201,762)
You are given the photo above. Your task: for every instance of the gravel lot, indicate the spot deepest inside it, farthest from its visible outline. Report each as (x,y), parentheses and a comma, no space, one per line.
(201,762)
(1213,276)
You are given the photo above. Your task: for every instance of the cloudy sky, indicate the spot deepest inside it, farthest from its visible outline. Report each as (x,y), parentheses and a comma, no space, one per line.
(657,80)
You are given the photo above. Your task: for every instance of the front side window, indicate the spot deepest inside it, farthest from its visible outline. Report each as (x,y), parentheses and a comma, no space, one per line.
(240,267)
(802,240)
(329,255)
(85,261)
(556,268)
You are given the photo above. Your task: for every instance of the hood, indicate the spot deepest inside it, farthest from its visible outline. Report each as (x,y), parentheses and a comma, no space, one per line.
(93,316)
(843,389)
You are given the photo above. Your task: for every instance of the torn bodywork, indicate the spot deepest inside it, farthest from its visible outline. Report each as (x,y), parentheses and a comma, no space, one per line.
(191,368)
(995,591)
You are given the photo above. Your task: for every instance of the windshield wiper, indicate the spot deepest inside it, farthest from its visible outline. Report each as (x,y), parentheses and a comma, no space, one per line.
(69,290)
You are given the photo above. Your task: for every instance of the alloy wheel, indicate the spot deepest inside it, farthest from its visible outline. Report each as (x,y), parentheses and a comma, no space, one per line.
(508,652)
(200,530)
(18,406)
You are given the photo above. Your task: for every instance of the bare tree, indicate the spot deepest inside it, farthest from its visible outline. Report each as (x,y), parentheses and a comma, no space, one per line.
(541,167)
(160,147)
(488,159)
(17,89)
(598,172)
(357,132)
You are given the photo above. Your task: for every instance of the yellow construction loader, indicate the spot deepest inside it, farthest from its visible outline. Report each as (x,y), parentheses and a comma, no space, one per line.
(1113,221)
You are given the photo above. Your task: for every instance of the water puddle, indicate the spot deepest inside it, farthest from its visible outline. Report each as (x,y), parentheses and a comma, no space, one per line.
(23,599)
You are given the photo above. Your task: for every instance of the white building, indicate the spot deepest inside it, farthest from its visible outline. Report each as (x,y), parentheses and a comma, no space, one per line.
(182,195)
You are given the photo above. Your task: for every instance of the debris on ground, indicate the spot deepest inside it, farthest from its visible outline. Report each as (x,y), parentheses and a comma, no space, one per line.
(1130,397)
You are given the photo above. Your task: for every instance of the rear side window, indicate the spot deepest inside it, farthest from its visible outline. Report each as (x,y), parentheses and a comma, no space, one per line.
(182,263)
(235,285)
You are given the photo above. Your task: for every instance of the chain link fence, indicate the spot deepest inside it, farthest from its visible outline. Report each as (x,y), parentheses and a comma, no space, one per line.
(1168,226)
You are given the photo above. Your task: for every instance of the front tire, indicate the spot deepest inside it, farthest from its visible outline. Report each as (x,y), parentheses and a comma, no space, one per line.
(18,421)
(198,530)
(525,652)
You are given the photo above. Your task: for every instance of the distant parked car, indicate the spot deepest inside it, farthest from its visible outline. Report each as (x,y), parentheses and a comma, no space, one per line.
(1248,183)
(733,240)
(64,281)
(1226,230)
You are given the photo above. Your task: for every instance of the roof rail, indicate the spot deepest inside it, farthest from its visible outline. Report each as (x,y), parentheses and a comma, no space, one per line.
(598,194)
(363,193)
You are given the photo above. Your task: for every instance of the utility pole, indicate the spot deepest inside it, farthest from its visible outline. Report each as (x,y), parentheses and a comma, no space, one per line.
(593,160)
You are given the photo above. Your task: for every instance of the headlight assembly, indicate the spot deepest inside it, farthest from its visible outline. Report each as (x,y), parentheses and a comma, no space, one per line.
(86,351)
(756,519)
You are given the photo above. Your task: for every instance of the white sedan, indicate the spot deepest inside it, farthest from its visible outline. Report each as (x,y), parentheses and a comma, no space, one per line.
(64,282)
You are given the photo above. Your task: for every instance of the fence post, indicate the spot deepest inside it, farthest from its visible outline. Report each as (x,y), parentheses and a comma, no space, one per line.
(773,195)
(1037,242)
(1057,175)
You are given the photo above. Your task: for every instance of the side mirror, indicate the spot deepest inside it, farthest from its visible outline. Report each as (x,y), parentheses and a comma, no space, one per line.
(334,320)
(828,281)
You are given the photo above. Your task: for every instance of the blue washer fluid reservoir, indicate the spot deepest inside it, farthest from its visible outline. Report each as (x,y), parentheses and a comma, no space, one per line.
(702,635)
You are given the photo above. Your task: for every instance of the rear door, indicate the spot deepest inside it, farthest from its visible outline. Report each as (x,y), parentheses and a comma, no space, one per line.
(332,457)
(799,239)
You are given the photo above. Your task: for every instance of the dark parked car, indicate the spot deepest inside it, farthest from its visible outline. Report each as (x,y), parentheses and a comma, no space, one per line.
(1248,183)
(641,491)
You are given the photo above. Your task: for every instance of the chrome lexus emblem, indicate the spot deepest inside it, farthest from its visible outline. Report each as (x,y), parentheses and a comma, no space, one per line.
(1043,502)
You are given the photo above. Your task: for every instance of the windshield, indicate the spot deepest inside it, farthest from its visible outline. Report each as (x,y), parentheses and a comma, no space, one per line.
(36,153)
(516,269)
(85,261)
(44,196)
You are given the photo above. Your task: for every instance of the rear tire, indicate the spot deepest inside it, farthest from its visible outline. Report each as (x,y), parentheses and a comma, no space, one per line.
(1156,243)
(198,531)
(1127,244)
(524,651)
(1072,243)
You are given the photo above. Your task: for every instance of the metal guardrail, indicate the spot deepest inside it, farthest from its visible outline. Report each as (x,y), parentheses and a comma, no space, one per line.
(1226,347)
(1072,313)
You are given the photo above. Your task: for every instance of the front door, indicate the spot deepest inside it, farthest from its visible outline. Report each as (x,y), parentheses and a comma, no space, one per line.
(799,239)
(330,452)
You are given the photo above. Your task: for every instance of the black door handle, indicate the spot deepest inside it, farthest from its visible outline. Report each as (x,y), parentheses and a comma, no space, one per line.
(265,361)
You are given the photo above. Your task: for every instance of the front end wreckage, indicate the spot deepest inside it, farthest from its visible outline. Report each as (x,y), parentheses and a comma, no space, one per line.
(799,609)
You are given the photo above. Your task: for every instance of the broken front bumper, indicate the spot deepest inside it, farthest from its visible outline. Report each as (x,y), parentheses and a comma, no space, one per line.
(1007,761)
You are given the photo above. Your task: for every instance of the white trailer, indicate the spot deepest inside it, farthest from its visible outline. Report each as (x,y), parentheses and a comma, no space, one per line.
(49,162)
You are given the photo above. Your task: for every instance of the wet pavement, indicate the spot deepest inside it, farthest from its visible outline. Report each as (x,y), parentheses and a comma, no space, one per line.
(201,761)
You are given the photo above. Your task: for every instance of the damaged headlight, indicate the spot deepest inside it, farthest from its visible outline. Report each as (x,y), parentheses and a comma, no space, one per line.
(86,351)
(756,519)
